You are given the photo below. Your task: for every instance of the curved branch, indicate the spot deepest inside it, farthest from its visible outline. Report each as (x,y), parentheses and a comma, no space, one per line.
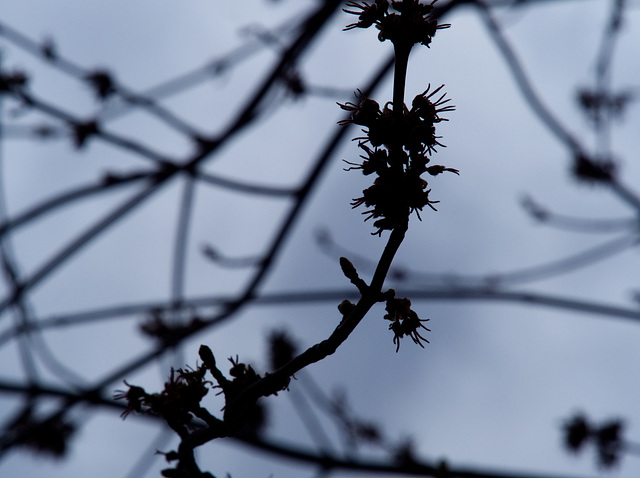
(47,53)
(412,468)
(64,199)
(523,82)
(417,467)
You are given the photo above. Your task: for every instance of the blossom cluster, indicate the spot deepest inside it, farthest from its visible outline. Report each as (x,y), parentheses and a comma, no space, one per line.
(607,438)
(404,321)
(411,23)
(399,188)
(179,402)
(399,140)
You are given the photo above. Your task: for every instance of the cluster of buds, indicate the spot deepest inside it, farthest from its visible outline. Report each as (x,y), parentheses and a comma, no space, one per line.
(399,141)
(399,188)
(43,436)
(14,81)
(404,320)
(176,404)
(606,438)
(411,22)
(179,402)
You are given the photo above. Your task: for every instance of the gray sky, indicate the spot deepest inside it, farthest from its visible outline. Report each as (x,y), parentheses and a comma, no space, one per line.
(497,380)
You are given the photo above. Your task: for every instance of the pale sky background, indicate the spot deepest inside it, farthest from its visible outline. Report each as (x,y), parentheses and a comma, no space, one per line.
(497,380)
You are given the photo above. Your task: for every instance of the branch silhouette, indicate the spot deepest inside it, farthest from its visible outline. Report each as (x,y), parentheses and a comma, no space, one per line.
(179,318)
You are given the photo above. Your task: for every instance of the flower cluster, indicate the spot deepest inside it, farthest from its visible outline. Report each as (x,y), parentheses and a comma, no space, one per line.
(14,81)
(180,400)
(404,321)
(247,418)
(593,171)
(44,436)
(606,438)
(397,150)
(282,349)
(411,22)
(160,328)
(176,404)
(399,140)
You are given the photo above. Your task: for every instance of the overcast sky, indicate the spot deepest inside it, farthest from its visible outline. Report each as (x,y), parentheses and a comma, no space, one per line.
(498,378)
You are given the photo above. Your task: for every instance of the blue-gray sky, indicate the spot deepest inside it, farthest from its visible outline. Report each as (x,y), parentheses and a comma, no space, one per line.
(497,380)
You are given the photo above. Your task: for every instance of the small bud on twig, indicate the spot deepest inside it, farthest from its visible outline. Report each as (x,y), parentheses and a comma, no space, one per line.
(350,273)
